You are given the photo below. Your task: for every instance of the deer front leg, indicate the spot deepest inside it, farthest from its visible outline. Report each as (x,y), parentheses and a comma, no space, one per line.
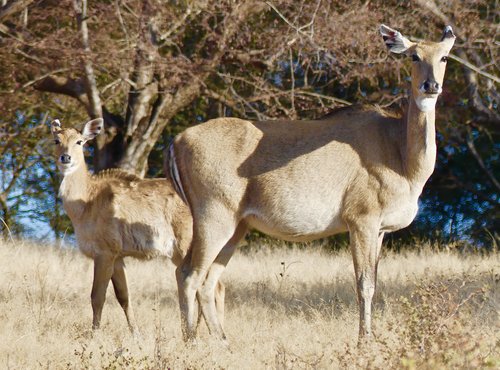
(379,248)
(364,242)
(119,279)
(103,270)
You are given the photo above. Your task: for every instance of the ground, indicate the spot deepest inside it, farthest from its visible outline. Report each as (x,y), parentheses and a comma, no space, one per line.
(286,308)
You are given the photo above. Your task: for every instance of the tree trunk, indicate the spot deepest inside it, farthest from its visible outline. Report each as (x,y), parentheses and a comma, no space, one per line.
(5,218)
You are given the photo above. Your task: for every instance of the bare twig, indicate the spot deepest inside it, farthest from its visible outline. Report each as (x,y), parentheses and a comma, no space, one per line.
(181,22)
(479,160)
(51,73)
(391,102)
(224,99)
(112,84)
(474,68)
(13,7)
(261,116)
(122,23)
(300,31)
(321,96)
(30,57)
(11,33)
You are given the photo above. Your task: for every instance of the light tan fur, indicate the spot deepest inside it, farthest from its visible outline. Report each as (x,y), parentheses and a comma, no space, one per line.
(360,169)
(116,214)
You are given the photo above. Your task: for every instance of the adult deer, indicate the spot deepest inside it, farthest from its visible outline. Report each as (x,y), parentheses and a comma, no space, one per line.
(116,214)
(360,169)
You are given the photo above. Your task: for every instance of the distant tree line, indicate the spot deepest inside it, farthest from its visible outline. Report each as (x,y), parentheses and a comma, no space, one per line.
(152,68)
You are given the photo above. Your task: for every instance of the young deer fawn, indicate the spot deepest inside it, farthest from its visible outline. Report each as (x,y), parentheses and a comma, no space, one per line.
(116,214)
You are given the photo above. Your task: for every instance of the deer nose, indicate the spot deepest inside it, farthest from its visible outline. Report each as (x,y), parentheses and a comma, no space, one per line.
(431,87)
(65,158)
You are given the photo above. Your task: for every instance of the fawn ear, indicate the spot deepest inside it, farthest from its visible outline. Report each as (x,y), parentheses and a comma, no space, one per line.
(55,126)
(92,128)
(448,33)
(448,37)
(394,40)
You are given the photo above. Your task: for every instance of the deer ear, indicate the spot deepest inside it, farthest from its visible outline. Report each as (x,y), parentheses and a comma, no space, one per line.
(92,128)
(394,40)
(448,37)
(55,126)
(448,33)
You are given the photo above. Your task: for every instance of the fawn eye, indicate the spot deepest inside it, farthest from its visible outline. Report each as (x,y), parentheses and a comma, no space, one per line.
(79,142)
(415,58)
(444,59)
(57,141)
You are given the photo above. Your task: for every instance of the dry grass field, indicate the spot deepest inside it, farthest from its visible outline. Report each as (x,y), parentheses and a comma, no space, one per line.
(287,308)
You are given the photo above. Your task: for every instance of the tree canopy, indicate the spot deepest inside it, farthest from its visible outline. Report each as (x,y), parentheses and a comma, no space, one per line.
(152,68)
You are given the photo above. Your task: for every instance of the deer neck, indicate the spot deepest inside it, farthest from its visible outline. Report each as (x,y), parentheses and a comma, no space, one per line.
(419,151)
(74,191)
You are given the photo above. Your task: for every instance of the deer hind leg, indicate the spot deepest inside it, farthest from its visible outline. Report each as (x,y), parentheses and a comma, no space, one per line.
(103,270)
(220,292)
(119,280)
(364,248)
(209,237)
(212,292)
(181,275)
(220,296)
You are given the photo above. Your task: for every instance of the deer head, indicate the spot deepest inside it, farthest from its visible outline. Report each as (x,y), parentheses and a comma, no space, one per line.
(69,143)
(429,63)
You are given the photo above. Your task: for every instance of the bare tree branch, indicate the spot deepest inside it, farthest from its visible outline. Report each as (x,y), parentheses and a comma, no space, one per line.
(309,36)
(226,100)
(471,66)
(95,107)
(13,7)
(34,81)
(11,33)
(143,87)
(30,57)
(148,134)
(474,96)
(163,38)
(64,85)
(120,19)
(321,96)
(479,160)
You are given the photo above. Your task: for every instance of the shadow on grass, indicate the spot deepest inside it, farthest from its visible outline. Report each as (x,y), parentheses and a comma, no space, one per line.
(339,296)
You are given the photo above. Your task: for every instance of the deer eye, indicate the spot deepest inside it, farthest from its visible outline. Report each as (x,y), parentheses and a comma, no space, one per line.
(57,141)
(415,58)
(444,59)
(79,142)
